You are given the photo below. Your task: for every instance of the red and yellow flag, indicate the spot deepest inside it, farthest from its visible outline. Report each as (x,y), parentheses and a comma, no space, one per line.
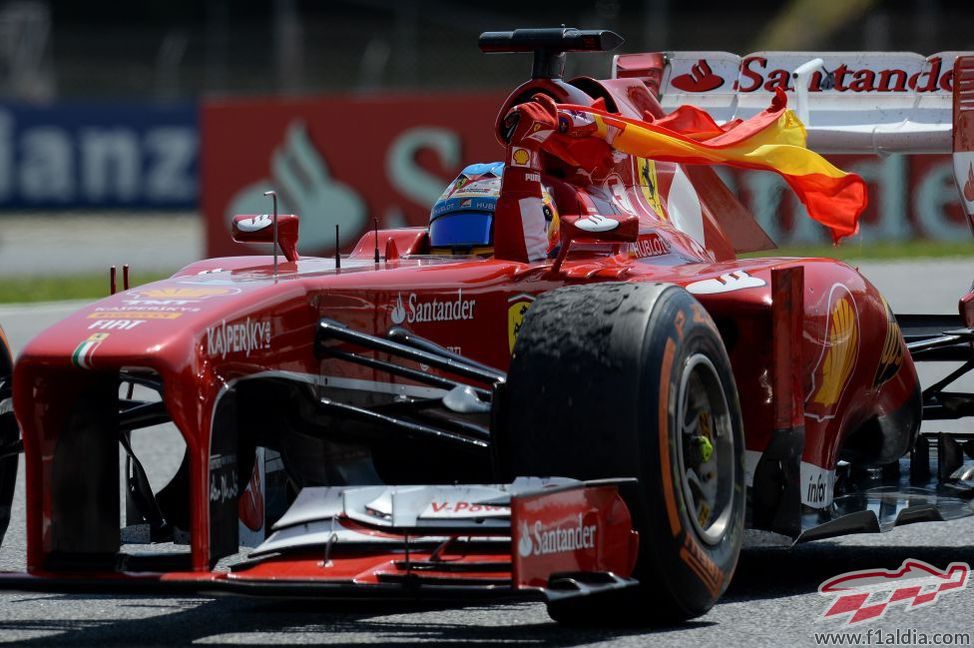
(773,140)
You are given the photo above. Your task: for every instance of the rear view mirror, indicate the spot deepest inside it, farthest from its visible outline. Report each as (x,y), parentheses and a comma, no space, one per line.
(617,228)
(610,229)
(259,228)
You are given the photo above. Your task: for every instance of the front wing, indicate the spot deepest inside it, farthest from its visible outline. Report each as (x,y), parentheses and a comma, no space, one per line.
(553,537)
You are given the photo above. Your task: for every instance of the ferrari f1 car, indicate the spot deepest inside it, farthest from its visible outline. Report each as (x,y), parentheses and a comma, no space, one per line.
(600,426)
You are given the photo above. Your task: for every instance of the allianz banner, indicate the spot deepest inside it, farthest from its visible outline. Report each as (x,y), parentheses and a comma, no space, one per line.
(349,159)
(99,155)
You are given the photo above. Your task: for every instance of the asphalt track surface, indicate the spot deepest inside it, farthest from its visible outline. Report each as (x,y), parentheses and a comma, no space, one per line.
(773,600)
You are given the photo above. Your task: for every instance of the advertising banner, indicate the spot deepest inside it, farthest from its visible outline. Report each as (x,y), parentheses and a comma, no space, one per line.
(338,160)
(99,155)
(347,160)
(910,197)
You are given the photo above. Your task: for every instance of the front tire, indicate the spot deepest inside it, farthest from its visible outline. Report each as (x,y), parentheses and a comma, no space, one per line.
(9,437)
(632,380)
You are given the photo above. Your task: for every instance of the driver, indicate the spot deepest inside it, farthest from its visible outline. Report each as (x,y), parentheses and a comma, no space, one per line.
(462,219)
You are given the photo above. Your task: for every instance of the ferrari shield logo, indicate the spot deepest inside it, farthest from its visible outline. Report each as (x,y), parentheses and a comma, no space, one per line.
(649,185)
(517,308)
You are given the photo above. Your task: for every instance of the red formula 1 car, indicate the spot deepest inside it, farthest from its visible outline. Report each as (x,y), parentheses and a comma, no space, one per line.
(600,426)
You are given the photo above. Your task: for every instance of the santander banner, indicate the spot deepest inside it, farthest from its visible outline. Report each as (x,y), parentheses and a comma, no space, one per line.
(347,160)
(342,160)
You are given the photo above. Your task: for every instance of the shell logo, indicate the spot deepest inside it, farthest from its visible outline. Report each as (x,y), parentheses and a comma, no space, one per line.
(891,357)
(198,292)
(520,157)
(841,349)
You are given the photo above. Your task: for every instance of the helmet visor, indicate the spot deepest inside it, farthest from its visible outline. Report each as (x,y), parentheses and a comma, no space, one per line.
(462,229)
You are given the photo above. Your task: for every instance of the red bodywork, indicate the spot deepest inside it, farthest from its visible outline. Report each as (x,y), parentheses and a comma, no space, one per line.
(221,321)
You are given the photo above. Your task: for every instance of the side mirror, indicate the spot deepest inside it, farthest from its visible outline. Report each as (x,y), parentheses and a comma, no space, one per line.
(618,228)
(250,228)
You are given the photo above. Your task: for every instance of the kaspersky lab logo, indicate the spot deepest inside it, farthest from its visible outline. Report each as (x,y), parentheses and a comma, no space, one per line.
(867,595)
(539,540)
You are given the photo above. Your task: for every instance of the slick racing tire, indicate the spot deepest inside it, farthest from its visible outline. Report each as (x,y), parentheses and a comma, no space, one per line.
(9,437)
(633,380)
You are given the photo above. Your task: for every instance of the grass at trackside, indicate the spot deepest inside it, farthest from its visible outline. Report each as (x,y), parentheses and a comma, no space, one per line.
(92,286)
(878,251)
(15,290)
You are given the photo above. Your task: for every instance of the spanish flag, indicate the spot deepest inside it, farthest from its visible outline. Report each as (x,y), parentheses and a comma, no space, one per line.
(773,140)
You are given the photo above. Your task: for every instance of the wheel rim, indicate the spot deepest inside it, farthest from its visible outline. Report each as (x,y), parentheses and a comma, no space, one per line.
(705,449)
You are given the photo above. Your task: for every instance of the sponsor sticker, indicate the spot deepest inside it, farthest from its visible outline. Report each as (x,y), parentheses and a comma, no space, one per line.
(868,594)
(725,283)
(649,185)
(84,352)
(520,157)
(596,223)
(881,75)
(255,224)
(416,310)
(138,314)
(464,509)
(539,539)
(517,309)
(840,350)
(653,245)
(891,356)
(700,78)
(245,337)
(157,305)
(114,325)
(223,478)
(818,485)
(185,293)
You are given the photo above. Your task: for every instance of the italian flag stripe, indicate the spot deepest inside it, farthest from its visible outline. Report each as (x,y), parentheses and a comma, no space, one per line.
(82,355)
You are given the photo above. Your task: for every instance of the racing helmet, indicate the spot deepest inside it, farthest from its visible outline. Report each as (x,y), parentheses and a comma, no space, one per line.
(463,216)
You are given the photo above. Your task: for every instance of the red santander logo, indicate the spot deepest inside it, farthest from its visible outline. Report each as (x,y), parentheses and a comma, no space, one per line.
(701,78)
(758,73)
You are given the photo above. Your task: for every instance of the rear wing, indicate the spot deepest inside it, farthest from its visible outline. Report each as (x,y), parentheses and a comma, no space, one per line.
(850,102)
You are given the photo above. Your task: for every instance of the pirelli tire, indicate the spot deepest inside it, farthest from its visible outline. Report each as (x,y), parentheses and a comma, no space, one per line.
(626,380)
(9,437)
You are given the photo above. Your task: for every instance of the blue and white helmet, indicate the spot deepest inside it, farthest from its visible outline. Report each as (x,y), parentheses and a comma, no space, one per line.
(463,216)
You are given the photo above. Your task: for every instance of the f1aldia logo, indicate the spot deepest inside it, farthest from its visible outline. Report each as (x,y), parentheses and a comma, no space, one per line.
(868,594)
(542,540)
(432,309)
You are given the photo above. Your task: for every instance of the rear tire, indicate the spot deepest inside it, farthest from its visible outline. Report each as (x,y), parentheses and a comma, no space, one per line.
(631,380)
